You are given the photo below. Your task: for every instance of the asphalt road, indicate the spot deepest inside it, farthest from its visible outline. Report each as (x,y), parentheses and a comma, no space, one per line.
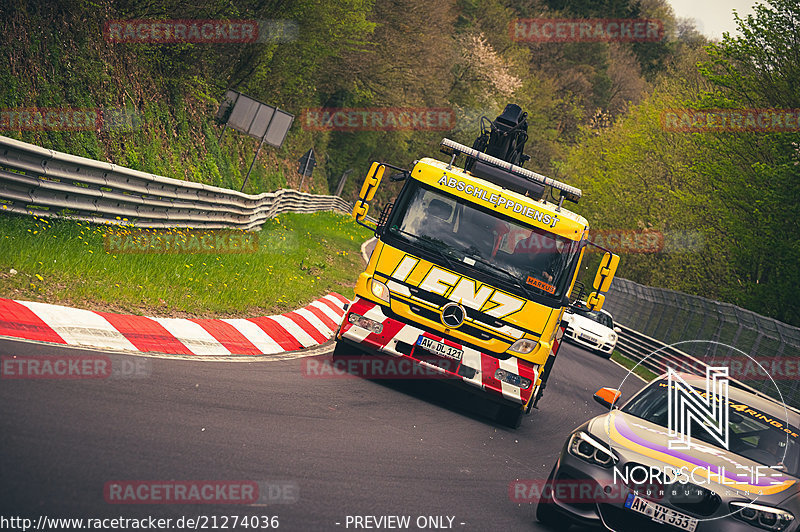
(350,446)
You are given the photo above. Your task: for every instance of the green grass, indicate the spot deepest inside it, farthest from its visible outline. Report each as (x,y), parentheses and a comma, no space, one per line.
(641,371)
(298,258)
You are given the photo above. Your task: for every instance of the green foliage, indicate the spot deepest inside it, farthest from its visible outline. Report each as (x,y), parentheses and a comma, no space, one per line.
(297,258)
(736,190)
(760,66)
(594,112)
(59,58)
(755,176)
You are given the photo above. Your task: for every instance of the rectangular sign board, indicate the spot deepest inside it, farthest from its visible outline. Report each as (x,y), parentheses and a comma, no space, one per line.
(259,120)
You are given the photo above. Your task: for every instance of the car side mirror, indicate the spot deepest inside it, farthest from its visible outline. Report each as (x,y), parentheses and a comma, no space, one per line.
(617,330)
(607,397)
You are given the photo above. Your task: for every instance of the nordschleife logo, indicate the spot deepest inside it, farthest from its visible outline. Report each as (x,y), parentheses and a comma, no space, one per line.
(708,410)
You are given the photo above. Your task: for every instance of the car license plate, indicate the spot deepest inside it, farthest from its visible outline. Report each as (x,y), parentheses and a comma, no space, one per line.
(588,338)
(439,348)
(660,514)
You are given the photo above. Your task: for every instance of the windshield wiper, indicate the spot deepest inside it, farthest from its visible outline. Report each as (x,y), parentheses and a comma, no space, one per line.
(431,244)
(509,275)
(447,254)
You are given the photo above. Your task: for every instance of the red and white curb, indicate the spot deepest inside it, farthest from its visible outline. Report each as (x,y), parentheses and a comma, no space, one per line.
(307,327)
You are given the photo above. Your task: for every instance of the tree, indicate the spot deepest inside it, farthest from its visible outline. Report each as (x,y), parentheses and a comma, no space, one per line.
(756,178)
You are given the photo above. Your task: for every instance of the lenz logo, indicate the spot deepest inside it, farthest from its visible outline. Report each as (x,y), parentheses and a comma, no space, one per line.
(708,410)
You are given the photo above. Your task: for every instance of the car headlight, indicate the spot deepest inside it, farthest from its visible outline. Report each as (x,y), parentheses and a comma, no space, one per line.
(590,450)
(523,346)
(761,516)
(379,290)
(612,337)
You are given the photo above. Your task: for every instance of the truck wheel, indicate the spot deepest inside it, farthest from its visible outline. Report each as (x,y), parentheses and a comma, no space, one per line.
(510,416)
(339,350)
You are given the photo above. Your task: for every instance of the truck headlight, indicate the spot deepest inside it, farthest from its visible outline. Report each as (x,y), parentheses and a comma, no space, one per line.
(379,290)
(765,517)
(523,346)
(590,450)
(365,323)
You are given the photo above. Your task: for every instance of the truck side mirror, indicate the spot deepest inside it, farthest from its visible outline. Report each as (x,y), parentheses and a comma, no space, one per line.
(595,301)
(368,189)
(602,280)
(606,271)
(360,211)
(372,181)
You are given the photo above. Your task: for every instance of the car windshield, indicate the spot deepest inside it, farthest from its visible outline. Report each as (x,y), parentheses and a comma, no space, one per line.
(749,435)
(533,260)
(595,315)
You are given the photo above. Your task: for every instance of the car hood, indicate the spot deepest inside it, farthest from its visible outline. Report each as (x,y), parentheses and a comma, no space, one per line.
(589,325)
(636,439)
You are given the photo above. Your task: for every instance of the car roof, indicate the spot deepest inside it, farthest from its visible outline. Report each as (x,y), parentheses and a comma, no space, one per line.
(738,392)
(604,311)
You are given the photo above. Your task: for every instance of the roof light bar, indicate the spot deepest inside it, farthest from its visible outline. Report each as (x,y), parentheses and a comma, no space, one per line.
(450,147)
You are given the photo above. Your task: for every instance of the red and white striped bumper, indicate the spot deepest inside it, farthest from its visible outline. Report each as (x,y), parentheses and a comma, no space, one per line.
(476,368)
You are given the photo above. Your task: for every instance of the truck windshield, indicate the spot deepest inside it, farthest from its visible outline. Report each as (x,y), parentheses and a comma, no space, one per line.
(532,259)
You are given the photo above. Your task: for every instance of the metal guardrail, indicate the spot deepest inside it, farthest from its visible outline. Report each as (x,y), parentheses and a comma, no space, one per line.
(671,316)
(657,356)
(714,330)
(652,354)
(35,180)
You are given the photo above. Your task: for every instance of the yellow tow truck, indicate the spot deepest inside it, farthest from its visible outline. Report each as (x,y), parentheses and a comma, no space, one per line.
(473,268)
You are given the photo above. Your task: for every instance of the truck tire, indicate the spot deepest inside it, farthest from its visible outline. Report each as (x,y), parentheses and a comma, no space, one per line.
(510,415)
(339,350)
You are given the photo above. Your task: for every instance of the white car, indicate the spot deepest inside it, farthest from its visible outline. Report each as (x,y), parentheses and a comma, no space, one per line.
(592,329)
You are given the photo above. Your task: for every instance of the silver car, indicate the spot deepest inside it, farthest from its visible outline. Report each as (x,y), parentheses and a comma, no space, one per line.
(618,469)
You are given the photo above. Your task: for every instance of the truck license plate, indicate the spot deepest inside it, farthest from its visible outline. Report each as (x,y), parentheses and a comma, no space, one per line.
(439,348)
